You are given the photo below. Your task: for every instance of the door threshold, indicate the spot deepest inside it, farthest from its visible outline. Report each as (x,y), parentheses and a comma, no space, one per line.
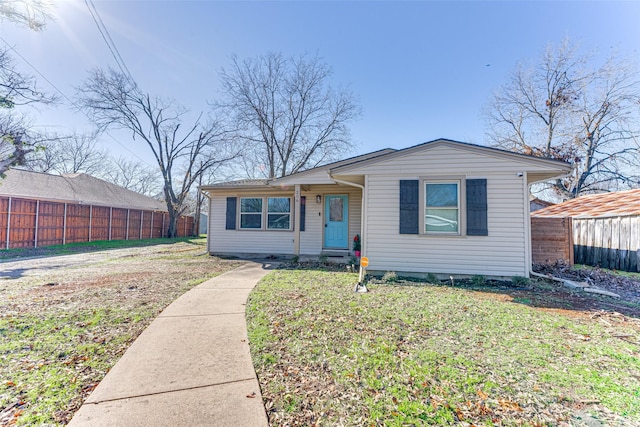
(335,252)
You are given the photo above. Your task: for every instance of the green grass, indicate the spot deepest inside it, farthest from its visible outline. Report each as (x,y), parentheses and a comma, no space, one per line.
(98,245)
(49,354)
(58,341)
(426,355)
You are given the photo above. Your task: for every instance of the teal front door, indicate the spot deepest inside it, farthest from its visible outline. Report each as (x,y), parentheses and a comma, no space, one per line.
(336,222)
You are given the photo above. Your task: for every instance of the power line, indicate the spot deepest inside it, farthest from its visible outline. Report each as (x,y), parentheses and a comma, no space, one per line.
(104,32)
(73,103)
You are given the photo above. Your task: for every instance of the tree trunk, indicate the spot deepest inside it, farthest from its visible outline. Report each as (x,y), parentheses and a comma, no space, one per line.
(173,224)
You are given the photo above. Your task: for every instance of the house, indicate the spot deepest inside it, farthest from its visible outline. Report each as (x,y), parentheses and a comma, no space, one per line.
(537,204)
(605,228)
(77,188)
(40,209)
(441,207)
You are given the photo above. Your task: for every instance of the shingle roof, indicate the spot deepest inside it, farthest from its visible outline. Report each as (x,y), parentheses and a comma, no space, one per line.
(74,188)
(239,183)
(619,203)
(278,181)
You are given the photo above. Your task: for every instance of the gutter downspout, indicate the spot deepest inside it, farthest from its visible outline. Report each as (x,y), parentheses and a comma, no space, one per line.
(360,287)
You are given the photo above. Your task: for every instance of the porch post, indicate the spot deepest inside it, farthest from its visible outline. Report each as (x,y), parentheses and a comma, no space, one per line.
(296,221)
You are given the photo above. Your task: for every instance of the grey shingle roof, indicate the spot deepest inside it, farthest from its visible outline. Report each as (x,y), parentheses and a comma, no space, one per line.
(239,183)
(74,188)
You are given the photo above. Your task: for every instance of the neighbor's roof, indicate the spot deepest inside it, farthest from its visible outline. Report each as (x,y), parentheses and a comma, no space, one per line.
(619,203)
(74,188)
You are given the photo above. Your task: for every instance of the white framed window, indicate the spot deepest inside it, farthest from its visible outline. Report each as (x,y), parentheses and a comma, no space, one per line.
(441,207)
(251,213)
(260,213)
(278,213)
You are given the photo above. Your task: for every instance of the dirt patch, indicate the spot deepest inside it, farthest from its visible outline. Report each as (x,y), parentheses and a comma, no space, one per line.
(626,286)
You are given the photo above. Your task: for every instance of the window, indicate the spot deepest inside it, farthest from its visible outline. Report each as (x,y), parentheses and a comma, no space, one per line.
(251,212)
(278,213)
(442,207)
(336,209)
(276,210)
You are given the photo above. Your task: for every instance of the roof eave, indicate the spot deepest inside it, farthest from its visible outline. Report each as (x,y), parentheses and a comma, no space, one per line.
(553,164)
(536,177)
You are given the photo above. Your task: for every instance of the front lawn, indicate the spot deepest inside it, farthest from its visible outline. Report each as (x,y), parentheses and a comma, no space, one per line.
(63,328)
(436,355)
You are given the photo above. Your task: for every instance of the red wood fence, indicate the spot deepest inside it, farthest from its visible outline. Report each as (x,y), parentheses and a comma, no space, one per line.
(26,223)
(551,240)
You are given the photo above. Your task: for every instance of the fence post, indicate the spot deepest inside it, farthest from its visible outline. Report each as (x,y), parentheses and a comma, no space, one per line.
(127,236)
(141,221)
(35,236)
(571,248)
(110,221)
(8,221)
(90,219)
(64,226)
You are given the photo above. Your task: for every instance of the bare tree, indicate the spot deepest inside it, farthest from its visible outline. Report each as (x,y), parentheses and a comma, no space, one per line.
(70,154)
(568,107)
(32,13)
(135,176)
(285,112)
(16,90)
(182,154)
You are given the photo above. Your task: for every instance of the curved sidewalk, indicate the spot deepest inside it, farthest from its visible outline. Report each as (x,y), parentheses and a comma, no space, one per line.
(190,367)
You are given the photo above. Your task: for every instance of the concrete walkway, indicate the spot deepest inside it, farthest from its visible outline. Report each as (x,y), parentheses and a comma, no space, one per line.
(190,367)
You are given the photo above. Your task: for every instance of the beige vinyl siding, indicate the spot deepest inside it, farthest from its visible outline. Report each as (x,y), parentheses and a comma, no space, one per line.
(243,241)
(449,157)
(279,242)
(501,253)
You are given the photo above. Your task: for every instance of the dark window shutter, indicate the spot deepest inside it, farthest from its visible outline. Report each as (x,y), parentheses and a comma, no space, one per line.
(303,211)
(477,207)
(409,209)
(231,213)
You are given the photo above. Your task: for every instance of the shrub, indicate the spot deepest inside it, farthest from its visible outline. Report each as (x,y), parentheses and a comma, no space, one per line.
(431,278)
(479,280)
(520,281)
(390,276)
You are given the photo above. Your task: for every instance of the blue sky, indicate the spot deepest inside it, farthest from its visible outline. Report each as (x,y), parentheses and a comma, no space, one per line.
(420,69)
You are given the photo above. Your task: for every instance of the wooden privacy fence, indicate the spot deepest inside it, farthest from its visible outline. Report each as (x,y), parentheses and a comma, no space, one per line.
(26,223)
(551,240)
(612,242)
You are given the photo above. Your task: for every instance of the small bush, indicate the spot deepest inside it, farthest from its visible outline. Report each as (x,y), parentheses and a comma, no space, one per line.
(295,259)
(322,259)
(520,281)
(390,276)
(431,278)
(479,280)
